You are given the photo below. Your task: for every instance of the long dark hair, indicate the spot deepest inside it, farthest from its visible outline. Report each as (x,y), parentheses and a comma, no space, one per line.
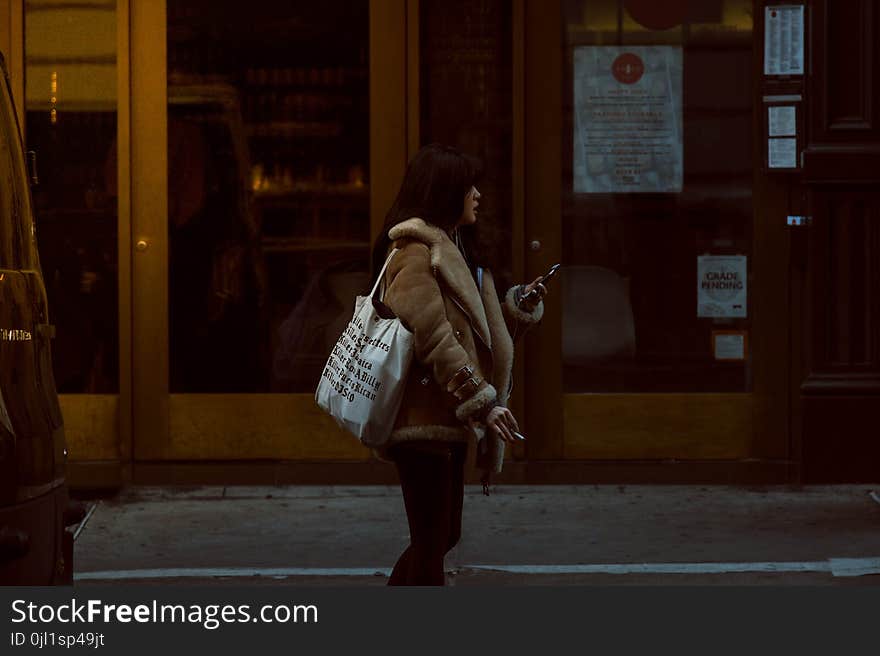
(434,186)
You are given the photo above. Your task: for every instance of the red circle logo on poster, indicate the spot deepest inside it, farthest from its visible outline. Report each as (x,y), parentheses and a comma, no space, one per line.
(628,68)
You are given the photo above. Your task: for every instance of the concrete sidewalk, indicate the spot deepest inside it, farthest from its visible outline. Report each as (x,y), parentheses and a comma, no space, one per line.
(353,535)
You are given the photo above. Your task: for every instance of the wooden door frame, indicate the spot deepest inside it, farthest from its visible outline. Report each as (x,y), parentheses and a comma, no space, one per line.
(542,95)
(228,427)
(761,430)
(149,212)
(775,270)
(837,380)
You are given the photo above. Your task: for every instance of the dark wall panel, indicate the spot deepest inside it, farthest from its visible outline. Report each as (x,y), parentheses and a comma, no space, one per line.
(841,390)
(848,31)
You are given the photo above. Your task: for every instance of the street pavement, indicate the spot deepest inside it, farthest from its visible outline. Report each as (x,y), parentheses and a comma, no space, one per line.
(520,535)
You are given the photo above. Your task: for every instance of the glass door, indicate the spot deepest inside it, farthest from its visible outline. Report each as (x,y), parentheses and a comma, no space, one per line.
(650,207)
(252,221)
(71,120)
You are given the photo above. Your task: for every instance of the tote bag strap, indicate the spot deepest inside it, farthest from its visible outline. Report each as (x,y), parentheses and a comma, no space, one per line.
(382,273)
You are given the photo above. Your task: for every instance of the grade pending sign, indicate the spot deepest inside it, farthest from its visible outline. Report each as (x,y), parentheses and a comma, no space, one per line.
(722,287)
(627,119)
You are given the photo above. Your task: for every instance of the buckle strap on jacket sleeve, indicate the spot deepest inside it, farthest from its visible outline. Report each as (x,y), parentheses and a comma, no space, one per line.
(460,378)
(468,388)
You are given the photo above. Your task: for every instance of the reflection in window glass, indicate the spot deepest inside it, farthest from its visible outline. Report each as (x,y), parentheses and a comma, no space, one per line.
(70,98)
(268,222)
(633,236)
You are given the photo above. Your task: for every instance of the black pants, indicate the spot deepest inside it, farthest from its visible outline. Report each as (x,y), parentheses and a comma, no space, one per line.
(432,480)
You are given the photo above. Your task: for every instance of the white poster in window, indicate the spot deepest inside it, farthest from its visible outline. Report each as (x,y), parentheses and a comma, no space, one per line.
(783,121)
(627,119)
(782,153)
(784,40)
(722,287)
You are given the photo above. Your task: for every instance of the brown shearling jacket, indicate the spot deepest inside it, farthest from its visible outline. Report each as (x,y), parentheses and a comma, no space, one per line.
(463,350)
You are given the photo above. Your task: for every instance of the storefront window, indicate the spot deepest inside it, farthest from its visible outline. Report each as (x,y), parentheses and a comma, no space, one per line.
(657,196)
(466,88)
(70,100)
(268,138)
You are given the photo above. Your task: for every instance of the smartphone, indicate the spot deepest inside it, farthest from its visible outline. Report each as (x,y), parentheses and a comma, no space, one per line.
(547,277)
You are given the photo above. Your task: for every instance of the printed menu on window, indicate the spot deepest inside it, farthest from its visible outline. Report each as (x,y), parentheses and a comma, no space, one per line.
(784,40)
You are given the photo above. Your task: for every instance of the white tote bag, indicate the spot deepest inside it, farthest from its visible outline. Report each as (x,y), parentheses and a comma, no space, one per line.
(364,378)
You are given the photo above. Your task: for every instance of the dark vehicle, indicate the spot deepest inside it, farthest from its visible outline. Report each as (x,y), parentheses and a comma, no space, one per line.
(35,547)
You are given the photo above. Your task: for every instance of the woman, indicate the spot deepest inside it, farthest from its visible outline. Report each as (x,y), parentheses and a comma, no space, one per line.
(463,353)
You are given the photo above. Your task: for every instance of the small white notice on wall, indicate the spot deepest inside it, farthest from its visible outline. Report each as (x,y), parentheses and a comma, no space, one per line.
(782,153)
(722,286)
(783,121)
(729,345)
(784,40)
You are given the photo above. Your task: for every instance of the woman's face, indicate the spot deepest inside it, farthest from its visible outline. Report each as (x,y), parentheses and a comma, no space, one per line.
(471,201)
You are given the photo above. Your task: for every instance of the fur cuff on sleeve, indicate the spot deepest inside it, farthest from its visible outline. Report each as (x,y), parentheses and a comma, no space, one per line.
(490,450)
(518,313)
(471,406)
(496,453)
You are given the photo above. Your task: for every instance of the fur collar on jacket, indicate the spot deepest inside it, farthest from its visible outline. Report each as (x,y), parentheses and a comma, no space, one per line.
(448,261)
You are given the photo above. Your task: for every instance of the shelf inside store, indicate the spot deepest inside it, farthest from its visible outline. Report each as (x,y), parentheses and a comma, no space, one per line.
(295,129)
(336,79)
(294,245)
(281,195)
(49,214)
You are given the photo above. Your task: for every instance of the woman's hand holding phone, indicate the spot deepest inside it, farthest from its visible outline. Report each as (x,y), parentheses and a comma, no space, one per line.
(535,291)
